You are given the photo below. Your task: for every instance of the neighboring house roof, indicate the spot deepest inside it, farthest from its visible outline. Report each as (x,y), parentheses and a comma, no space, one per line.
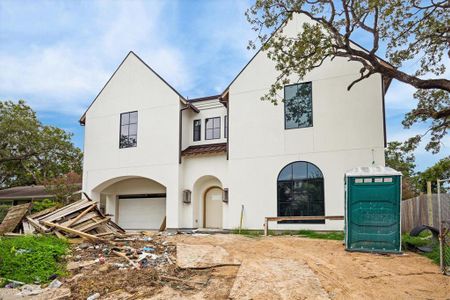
(205,149)
(205,98)
(20,192)
(182,99)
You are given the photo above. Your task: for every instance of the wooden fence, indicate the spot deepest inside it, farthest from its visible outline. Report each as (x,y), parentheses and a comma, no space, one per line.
(423,210)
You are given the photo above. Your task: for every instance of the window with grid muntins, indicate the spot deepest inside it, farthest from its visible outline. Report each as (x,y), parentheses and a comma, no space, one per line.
(212,128)
(128,129)
(197,130)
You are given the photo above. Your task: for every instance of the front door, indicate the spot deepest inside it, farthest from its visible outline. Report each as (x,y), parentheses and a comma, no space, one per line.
(213,208)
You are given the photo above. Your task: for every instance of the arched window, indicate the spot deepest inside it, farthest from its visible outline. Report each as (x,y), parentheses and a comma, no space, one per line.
(300,191)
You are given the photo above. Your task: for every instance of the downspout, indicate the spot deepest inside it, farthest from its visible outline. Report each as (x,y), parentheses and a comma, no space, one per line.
(228,130)
(180,141)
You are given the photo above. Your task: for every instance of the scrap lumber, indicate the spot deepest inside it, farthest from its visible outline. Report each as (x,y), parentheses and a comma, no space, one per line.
(14,217)
(78,219)
(73,231)
(84,212)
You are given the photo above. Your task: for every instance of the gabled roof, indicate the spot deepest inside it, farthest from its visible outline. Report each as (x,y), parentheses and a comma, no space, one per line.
(386,81)
(182,99)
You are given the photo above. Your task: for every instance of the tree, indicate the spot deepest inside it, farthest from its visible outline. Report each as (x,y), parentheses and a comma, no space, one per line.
(406,30)
(30,152)
(400,158)
(64,187)
(441,170)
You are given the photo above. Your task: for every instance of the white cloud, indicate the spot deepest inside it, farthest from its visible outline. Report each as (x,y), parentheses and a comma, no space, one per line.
(65,75)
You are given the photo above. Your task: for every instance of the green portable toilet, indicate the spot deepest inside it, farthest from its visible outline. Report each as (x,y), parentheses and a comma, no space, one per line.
(372,209)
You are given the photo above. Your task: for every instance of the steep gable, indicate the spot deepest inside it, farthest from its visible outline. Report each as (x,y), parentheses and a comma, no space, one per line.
(129,60)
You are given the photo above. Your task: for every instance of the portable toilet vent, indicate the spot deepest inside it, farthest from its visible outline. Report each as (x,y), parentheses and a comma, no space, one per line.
(372,209)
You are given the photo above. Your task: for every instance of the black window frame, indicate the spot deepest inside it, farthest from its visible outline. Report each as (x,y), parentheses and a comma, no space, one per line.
(121,124)
(293,184)
(285,102)
(199,130)
(213,129)
(225,126)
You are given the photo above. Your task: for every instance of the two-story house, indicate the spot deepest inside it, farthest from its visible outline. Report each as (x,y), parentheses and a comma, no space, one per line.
(150,154)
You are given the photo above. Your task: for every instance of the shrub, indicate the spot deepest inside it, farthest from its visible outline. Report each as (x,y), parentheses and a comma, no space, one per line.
(3,211)
(32,258)
(43,204)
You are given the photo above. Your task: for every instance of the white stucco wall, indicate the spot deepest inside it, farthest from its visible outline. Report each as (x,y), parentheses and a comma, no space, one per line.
(347,132)
(208,109)
(134,87)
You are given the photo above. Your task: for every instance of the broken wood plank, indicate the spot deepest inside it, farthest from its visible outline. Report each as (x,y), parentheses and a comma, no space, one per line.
(88,227)
(76,232)
(84,212)
(36,225)
(163,225)
(14,217)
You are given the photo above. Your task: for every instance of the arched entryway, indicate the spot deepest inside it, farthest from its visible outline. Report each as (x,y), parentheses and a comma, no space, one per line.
(208,204)
(135,203)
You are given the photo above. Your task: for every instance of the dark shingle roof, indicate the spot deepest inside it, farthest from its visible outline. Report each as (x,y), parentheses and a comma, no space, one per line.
(24,192)
(205,149)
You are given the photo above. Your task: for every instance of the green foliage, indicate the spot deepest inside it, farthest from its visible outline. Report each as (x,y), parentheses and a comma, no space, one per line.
(3,211)
(335,235)
(43,204)
(423,240)
(441,170)
(64,187)
(401,158)
(31,152)
(411,33)
(32,258)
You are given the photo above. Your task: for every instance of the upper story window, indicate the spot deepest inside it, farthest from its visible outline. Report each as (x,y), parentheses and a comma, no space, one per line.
(225,123)
(298,105)
(197,130)
(212,128)
(128,129)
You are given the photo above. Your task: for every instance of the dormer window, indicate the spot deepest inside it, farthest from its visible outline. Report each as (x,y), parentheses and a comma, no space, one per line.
(212,128)
(128,129)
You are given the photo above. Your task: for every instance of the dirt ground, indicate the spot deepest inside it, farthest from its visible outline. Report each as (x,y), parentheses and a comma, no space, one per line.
(342,274)
(227,266)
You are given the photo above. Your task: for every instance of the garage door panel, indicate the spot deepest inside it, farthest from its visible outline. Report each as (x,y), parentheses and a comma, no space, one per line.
(141,213)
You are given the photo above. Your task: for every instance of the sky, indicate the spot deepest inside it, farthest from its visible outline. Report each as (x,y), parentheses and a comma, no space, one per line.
(57,55)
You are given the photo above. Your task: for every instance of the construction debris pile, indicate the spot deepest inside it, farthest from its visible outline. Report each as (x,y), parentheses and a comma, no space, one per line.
(136,264)
(79,219)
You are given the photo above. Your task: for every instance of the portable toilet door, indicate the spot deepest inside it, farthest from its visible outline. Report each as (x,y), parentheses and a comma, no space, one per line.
(372,210)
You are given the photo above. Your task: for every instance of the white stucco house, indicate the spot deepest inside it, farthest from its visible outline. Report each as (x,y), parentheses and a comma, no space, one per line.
(150,153)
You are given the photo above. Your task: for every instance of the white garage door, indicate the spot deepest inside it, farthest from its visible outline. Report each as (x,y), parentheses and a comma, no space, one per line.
(141,213)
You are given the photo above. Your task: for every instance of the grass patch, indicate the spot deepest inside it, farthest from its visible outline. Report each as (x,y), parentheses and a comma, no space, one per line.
(425,239)
(333,235)
(32,258)
(337,235)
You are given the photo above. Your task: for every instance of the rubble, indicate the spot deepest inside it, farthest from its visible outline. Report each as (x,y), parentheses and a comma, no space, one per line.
(79,219)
